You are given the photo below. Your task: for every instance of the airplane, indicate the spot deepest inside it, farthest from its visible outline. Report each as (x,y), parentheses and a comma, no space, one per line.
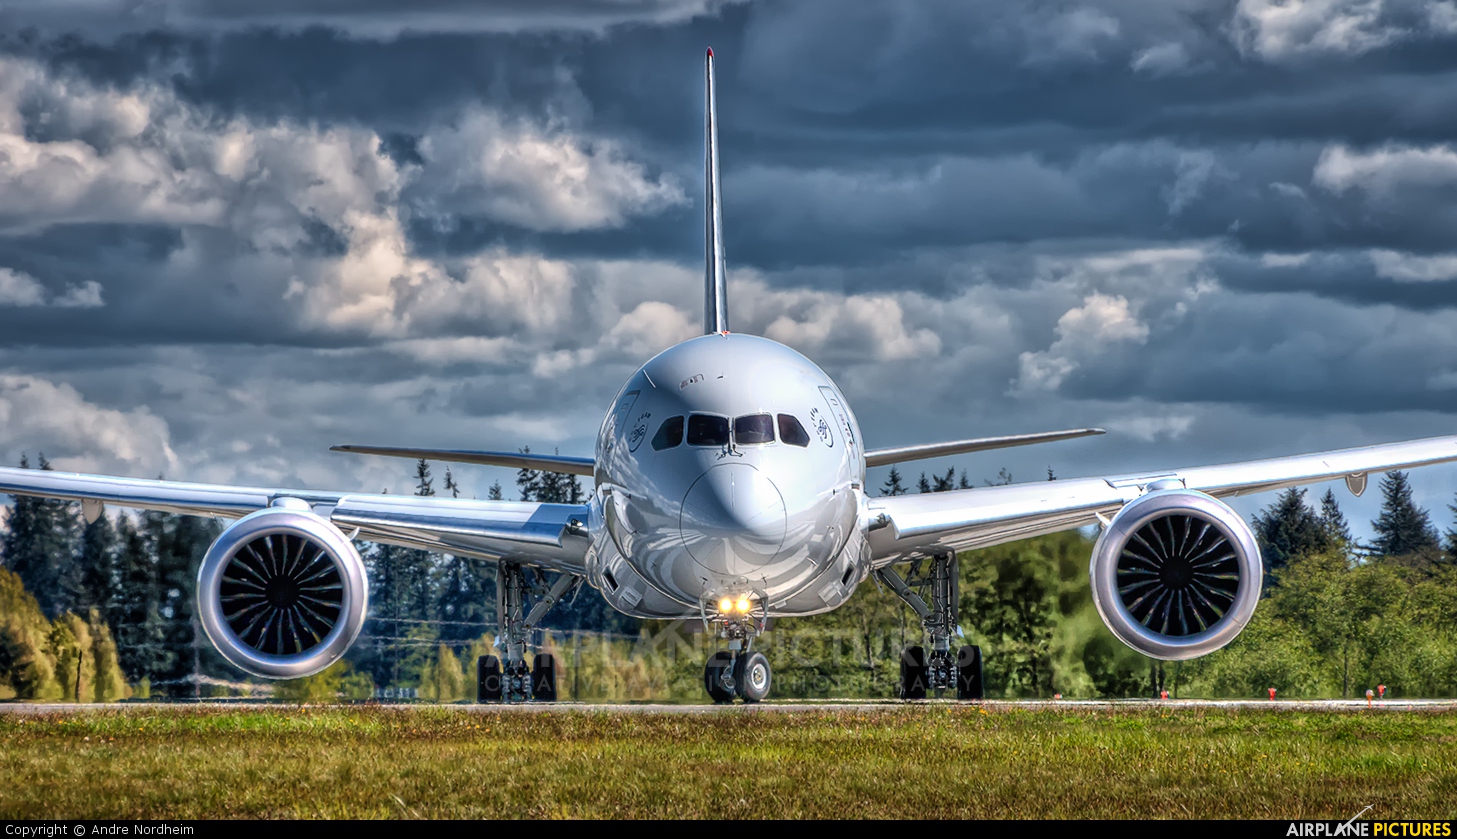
(729,488)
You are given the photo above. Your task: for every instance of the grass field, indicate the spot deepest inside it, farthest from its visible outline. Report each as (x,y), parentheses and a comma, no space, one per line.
(929,761)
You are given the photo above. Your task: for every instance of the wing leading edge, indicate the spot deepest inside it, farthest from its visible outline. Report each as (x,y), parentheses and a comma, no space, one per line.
(977,518)
(515,460)
(885,457)
(549,535)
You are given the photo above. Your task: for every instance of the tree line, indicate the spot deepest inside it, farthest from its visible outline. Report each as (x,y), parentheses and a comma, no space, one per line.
(96,610)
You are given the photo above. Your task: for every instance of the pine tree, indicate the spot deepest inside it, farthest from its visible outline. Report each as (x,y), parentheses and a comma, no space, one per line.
(923,485)
(893,485)
(40,544)
(1402,528)
(529,481)
(1289,528)
(1004,478)
(494,493)
(450,485)
(963,482)
(424,482)
(136,607)
(944,483)
(1334,521)
(94,574)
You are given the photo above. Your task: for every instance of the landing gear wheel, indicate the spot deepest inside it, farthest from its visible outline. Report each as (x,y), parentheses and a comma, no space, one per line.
(543,678)
(968,673)
(718,676)
(913,673)
(488,679)
(752,675)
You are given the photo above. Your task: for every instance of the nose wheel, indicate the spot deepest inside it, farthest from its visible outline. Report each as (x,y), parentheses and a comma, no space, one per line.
(744,675)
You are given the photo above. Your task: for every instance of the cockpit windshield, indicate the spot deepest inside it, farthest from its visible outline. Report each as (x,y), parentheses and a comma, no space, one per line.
(707,430)
(791,432)
(754,428)
(712,430)
(670,434)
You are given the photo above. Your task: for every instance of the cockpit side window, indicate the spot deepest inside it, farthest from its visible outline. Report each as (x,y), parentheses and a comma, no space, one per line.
(754,428)
(791,432)
(670,434)
(707,430)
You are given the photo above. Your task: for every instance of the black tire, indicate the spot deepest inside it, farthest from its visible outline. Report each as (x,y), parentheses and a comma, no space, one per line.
(719,664)
(913,673)
(488,679)
(968,673)
(543,678)
(752,677)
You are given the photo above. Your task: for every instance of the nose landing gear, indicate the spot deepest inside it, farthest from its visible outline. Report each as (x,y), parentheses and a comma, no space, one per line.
(941,670)
(738,671)
(729,674)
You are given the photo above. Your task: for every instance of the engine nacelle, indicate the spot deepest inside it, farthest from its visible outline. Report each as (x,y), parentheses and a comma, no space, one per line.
(282,593)
(1176,574)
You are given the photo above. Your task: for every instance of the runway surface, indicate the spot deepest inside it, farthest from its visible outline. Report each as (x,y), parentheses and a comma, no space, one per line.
(785,706)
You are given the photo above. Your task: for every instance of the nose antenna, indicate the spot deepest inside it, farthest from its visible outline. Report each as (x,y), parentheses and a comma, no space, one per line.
(715,298)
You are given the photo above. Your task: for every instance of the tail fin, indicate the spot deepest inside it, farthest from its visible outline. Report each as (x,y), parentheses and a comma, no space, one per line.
(715,298)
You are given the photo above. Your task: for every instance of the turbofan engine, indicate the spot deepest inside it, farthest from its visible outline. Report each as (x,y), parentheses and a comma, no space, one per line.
(1176,574)
(282,593)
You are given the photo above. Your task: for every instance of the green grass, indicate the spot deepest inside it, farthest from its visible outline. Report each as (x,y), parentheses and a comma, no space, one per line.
(928,761)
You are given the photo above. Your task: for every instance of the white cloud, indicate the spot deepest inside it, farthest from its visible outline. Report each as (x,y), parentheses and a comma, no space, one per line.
(21,289)
(1151,428)
(142,154)
(55,419)
(1076,35)
(1082,333)
(1161,60)
(826,325)
(1279,30)
(539,177)
(1284,260)
(1191,171)
(1384,170)
(84,296)
(1406,267)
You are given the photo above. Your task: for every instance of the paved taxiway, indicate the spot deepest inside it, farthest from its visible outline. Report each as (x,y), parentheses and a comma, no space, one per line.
(790,706)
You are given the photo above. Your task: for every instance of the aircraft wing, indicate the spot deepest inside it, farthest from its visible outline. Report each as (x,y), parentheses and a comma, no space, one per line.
(551,536)
(978,518)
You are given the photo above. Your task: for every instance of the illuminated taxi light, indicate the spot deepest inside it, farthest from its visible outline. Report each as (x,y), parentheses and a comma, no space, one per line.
(726,605)
(743,605)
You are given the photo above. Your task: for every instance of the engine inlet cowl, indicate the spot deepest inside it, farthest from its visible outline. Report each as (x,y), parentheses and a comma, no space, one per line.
(282,593)
(1176,574)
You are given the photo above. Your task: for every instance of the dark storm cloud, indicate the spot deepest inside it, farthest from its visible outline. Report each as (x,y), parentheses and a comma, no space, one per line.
(1221,229)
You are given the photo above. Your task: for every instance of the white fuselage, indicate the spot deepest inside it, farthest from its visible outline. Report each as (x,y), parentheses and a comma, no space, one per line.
(729,466)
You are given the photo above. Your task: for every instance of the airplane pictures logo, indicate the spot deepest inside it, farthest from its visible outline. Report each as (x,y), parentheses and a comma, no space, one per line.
(1373,828)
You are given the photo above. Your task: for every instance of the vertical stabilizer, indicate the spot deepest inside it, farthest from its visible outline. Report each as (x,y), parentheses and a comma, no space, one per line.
(715,297)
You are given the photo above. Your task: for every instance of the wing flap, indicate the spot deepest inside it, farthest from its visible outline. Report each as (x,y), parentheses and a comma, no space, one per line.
(885,457)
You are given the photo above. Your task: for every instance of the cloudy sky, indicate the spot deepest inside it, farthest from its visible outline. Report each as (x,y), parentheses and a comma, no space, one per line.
(235,233)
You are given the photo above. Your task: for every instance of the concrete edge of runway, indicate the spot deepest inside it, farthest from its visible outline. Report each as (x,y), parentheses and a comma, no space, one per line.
(780,706)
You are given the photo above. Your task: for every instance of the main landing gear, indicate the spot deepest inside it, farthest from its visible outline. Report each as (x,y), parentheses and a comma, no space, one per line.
(738,671)
(940,671)
(512,680)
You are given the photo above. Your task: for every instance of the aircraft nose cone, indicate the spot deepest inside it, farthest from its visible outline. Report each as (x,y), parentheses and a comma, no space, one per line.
(733,519)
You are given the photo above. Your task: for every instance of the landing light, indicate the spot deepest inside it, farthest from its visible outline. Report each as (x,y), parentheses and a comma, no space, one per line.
(726,605)
(743,605)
